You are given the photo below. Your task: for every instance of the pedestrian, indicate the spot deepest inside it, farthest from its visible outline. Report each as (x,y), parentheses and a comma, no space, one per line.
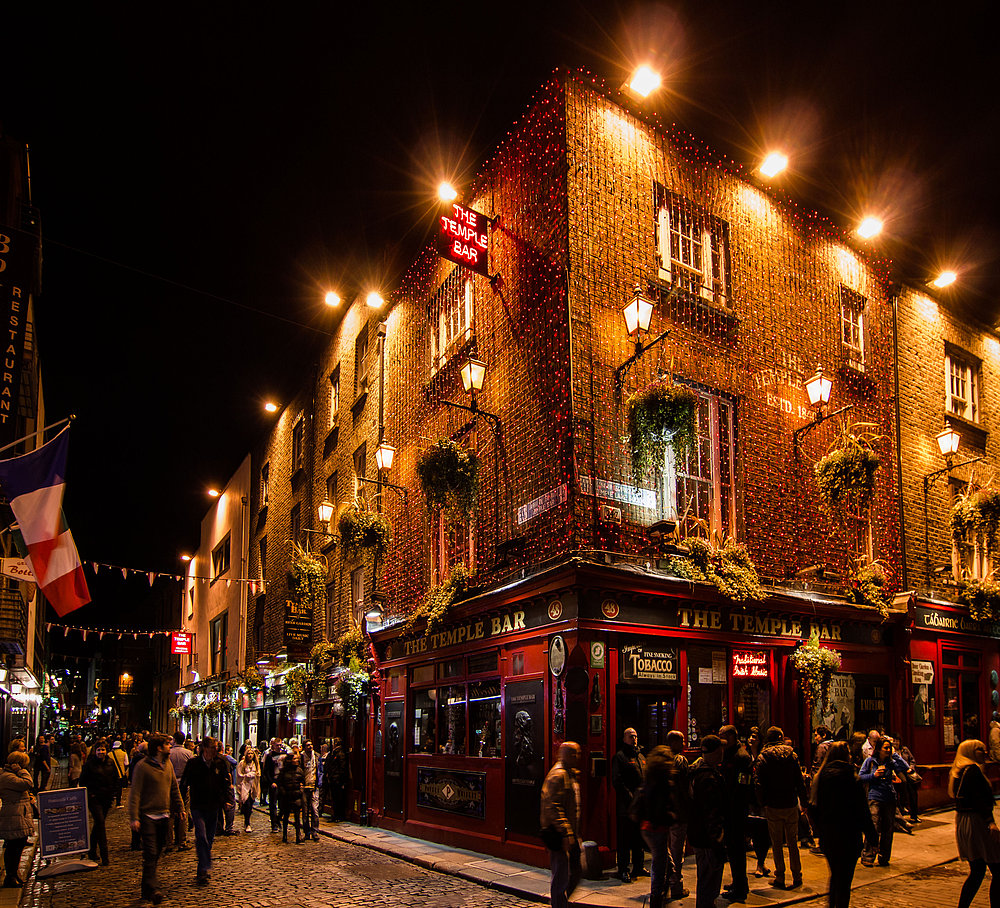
(310,791)
(16,817)
(975,829)
(656,809)
(100,778)
(843,821)
(76,757)
(336,772)
(153,796)
(247,782)
(737,774)
(42,764)
(877,771)
(678,829)
(628,768)
(995,740)
(560,822)
(179,757)
(289,783)
(822,739)
(269,786)
(780,788)
(707,821)
(227,815)
(907,786)
(868,748)
(209,782)
(121,765)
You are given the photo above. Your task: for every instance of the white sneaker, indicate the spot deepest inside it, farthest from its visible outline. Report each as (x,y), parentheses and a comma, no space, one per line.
(248,829)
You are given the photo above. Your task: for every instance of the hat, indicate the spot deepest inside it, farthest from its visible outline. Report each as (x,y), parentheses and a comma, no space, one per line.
(117,745)
(710,744)
(775,735)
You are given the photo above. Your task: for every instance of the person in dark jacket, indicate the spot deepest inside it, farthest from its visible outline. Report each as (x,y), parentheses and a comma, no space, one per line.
(878,772)
(780,787)
(290,780)
(707,821)
(975,829)
(100,777)
(209,780)
(268,784)
(842,819)
(16,823)
(659,809)
(628,768)
(335,776)
(678,830)
(737,773)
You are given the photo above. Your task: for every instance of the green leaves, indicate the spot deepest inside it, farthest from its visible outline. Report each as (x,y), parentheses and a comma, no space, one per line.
(816,665)
(449,478)
(846,475)
(730,569)
(361,531)
(976,516)
(983,599)
(438,600)
(662,414)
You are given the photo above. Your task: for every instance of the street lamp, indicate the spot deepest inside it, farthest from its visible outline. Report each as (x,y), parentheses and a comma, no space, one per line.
(818,389)
(325,514)
(383,456)
(638,313)
(773,164)
(645,80)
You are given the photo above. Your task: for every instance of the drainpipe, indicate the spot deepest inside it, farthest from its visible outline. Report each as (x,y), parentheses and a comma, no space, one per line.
(899,449)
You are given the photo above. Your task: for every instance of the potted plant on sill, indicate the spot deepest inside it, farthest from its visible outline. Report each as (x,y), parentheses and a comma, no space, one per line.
(662,414)
(975,517)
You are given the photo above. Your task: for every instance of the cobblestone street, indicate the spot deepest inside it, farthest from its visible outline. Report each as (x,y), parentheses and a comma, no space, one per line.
(257,871)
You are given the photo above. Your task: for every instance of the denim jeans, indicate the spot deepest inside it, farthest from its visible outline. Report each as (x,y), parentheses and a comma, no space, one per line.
(204,836)
(883,817)
(566,873)
(711,863)
(658,840)
(153,835)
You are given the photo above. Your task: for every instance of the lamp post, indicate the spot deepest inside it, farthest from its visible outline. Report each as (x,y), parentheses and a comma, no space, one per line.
(638,312)
(818,389)
(325,513)
(948,441)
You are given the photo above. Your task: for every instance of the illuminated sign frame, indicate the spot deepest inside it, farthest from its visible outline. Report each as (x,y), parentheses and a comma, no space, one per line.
(751,664)
(180,644)
(464,238)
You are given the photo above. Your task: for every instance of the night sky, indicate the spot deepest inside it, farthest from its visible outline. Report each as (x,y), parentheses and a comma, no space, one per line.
(203,175)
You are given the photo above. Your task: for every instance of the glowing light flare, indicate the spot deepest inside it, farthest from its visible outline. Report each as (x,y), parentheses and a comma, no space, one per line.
(185,557)
(374,300)
(948,441)
(637,312)
(944,279)
(331,299)
(271,406)
(447,192)
(870,226)
(644,81)
(774,164)
(214,493)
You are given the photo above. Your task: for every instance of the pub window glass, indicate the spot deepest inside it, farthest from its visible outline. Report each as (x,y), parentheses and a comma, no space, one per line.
(708,706)
(424,714)
(484,718)
(451,723)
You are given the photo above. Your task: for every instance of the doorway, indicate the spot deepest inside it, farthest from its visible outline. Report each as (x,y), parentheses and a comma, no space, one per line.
(650,713)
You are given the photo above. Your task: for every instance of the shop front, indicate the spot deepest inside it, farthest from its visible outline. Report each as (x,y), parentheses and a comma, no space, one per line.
(953,691)
(474,712)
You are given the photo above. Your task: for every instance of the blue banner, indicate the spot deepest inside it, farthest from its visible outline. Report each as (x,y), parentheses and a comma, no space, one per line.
(63,822)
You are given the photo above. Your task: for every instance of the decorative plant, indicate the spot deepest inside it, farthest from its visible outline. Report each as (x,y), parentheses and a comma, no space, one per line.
(660,414)
(449,478)
(816,665)
(213,708)
(308,574)
(729,568)
(295,685)
(439,599)
(233,685)
(174,712)
(351,687)
(252,678)
(846,474)
(983,599)
(323,656)
(868,586)
(361,530)
(976,516)
(349,646)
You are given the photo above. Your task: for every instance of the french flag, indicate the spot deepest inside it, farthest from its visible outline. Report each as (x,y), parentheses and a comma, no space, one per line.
(34,484)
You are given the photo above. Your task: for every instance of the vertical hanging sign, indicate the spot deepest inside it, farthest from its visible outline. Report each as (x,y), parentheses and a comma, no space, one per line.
(18,254)
(464,237)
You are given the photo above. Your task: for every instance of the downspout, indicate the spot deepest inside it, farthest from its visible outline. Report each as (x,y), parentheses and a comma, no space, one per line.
(899,449)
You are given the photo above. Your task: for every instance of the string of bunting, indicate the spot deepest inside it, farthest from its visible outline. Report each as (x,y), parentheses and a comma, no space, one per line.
(107,631)
(256,586)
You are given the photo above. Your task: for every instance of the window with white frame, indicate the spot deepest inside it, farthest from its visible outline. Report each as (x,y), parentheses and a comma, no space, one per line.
(453,543)
(298,443)
(360,466)
(971,559)
(852,326)
(692,247)
(961,384)
(699,488)
(334,395)
(358,592)
(361,362)
(451,315)
(265,483)
(219,629)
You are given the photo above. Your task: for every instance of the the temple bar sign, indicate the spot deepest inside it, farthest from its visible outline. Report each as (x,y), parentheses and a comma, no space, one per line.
(464,237)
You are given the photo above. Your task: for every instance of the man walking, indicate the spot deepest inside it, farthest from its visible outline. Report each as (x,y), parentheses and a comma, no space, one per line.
(678,830)
(310,791)
(628,769)
(268,779)
(208,779)
(43,764)
(560,821)
(154,795)
(179,756)
(737,775)
(706,827)
(780,787)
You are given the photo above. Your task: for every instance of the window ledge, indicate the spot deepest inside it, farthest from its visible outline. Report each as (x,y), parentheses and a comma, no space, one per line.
(973,434)
(359,403)
(856,375)
(697,312)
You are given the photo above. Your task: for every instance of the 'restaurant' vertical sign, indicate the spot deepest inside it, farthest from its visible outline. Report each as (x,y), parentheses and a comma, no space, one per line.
(17,252)
(464,237)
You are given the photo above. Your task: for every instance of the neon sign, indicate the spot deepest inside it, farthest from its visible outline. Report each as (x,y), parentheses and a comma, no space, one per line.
(180,644)
(750,665)
(464,238)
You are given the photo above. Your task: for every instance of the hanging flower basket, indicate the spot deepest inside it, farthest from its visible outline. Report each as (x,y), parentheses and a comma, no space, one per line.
(295,685)
(816,665)
(846,475)
(362,531)
(982,598)
(662,414)
(438,600)
(350,645)
(449,478)
(729,569)
(868,587)
(351,687)
(174,712)
(252,678)
(976,517)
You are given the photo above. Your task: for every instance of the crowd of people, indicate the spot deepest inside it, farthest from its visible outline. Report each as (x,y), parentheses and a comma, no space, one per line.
(757,795)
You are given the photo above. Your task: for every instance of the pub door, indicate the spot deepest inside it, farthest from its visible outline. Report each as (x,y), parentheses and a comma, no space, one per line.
(650,713)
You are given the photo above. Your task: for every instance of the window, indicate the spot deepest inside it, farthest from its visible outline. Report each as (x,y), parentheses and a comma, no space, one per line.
(262,546)
(220,557)
(331,488)
(961,384)
(453,542)
(334,395)
(265,478)
(962,697)
(692,247)
(700,487)
(219,632)
(298,442)
(852,327)
(970,557)
(457,719)
(358,591)
(450,314)
(360,464)
(258,624)
(191,603)
(361,362)
(295,523)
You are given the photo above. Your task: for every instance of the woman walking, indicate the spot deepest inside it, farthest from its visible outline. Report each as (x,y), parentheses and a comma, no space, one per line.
(842,819)
(247,782)
(975,829)
(75,764)
(290,781)
(100,778)
(16,822)
(877,771)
